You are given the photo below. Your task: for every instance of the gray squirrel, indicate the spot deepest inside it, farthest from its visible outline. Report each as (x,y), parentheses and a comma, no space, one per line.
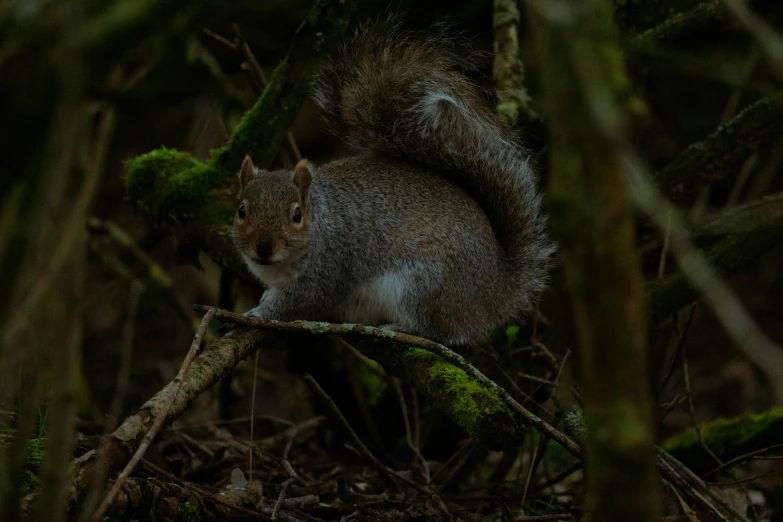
(434,227)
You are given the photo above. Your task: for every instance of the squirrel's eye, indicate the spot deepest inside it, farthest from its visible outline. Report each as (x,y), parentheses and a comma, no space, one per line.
(241,211)
(297,217)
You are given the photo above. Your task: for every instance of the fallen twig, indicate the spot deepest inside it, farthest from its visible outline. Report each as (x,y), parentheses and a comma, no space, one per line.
(365,451)
(281,498)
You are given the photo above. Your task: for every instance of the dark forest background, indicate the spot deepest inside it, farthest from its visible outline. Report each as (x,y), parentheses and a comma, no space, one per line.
(98,278)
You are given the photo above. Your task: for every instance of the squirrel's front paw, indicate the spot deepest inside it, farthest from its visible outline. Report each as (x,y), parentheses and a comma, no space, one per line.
(227,329)
(396,328)
(256,312)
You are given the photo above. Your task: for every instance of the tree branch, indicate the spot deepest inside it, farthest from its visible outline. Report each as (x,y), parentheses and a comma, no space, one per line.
(507,69)
(722,152)
(730,239)
(473,401)
(728,438)
(682,23)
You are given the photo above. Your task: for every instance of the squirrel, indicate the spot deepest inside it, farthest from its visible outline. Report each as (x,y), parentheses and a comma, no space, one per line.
(433,227)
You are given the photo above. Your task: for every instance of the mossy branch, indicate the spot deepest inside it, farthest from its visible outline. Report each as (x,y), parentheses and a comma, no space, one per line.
(265,126)
(722,152)
(727,438)
(473,401)
(730,239)
(635,16)
(682,23)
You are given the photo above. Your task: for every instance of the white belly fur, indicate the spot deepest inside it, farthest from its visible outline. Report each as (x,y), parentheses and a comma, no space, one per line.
(379,301)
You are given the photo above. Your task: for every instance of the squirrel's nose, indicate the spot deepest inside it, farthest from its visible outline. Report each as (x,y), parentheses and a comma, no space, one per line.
(264,251)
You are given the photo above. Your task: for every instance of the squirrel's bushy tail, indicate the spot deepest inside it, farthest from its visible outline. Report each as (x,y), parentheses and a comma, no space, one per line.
(395,94)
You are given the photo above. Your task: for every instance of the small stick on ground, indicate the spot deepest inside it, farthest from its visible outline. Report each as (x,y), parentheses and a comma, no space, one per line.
(687,378)
(746,456)
(560,477)
(408,433)
(287,463)
(677,473)
(364,449)
(536,518)
(349,430)
(348,518)
(300,502)
(281,498)
(159,420)
(292,431)
(680,344)
(252,420)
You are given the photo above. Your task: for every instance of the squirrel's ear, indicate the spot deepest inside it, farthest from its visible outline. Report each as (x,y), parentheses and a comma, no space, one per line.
(303,177)
(246,173)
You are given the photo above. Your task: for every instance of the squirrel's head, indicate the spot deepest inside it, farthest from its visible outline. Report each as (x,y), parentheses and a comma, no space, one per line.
(271,225)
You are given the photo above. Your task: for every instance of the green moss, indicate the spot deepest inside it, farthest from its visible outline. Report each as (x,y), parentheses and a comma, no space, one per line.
(476,409)
(33,464)
(265,125)
(370,381)
(29,482)
(168,179)
(728,438)
(511,333)
(463,390)
(189,512)
(35,455)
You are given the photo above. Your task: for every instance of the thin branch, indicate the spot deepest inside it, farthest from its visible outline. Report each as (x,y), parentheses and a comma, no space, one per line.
(258,72)
(560,477)
(281,498)
(674,471)
(252,419)
(682,23)
(126,354)
(410,340)
(363,449)
(408,433)
(689,394)
(771,42)
(680,344)
(751,455)
(155,272)
(734,317)
(721,153)
(377,464)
